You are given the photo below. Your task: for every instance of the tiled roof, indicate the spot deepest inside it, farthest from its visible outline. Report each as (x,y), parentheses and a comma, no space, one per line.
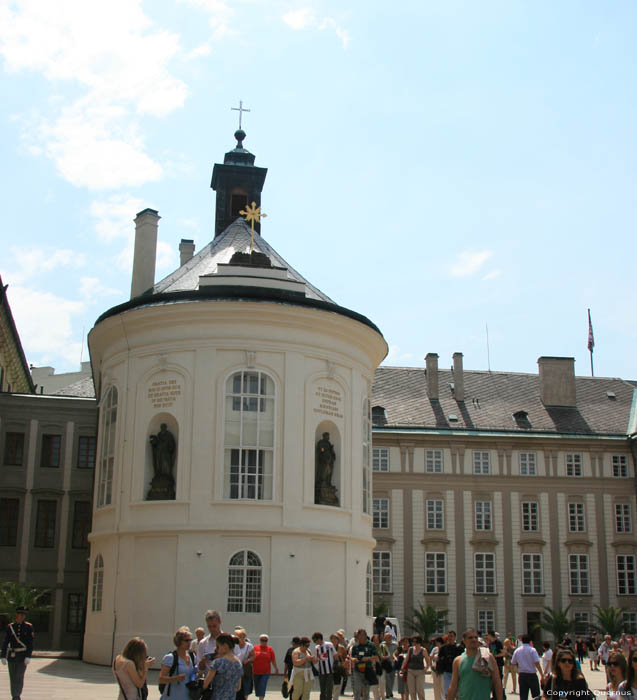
(236,238)
(83,388)
(491,399)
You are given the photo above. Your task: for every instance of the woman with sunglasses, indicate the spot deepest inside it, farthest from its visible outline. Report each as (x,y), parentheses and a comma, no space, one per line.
(616,668)
(567,680)
(629,686)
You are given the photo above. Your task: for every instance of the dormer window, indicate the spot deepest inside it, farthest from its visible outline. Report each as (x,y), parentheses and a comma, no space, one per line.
(379,417)
(522,419)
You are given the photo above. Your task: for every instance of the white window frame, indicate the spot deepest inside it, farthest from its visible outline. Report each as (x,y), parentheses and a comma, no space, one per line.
(481,462)
(382,571)
(574,466)
(528,464)
(380,459)
(435,572)
(245,583)
(369,591)
(620,466)
(576,516)
(623,518)
(108,437)
(434,461)
(366,466)
(626,574)
(530,516)
(579,574)
(380,513)
(484,573)
(532,573)
(97,590)
(629,620)
(486,621)
(435,514)
(249,463)
(483,520)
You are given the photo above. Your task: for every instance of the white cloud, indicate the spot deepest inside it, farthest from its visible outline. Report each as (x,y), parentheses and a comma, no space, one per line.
(469,262)
(306,18)
(92,290)
(167,257)
(492,275)
(119,59)
(31,262)
(115,216)
(220,16)
(395,356)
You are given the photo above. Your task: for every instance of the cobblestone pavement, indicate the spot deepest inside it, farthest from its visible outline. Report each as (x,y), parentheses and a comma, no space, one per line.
(70,679)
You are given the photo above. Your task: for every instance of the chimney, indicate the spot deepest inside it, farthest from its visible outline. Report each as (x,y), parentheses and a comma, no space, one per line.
(458,377)
(145,252)
(557,381)
(186,250)
(431,362)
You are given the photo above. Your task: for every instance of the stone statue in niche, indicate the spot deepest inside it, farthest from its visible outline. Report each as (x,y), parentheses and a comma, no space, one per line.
(324,491)
(164,446)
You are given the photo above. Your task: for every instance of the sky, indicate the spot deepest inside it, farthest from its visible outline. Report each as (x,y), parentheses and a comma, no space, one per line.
(441,167)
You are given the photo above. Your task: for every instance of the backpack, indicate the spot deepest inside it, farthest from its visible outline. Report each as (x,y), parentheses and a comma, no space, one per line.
(173,668)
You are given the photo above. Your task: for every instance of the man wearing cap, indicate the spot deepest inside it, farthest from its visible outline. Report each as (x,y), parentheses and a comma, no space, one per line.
(17,648)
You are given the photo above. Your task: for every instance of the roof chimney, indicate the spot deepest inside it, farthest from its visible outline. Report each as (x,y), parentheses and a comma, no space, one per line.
(557,381)
(431,362)
(458,377)
(145,251)
(186,250)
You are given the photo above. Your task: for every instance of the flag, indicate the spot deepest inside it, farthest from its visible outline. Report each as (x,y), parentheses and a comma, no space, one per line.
(591,339)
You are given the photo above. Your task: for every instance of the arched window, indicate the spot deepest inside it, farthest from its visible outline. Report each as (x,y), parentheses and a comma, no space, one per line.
(249,436)
(369,607)
(98,584)
(244,582)
(367,438)
(107,452)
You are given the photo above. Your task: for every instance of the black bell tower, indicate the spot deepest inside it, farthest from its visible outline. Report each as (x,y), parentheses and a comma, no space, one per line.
(237,183)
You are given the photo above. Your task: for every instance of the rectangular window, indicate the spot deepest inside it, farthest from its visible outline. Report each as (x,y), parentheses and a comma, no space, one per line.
(630,622)
(45,524)
(435,514)
(576,518)
(86,452)
(382,572)
(484,572)
(530,516)
(532,576)
(528,465)
(9,512)
(50,456)
(380,459)
(582,620)
(626,575)
(480,462)
(620,466)
(250,474)
(486,621)
(573,465)
(483,515)
(75,613)
(14,449)
(623,521)
(435,572)
(433,462)
(579,579)
(380,512)
(81,524)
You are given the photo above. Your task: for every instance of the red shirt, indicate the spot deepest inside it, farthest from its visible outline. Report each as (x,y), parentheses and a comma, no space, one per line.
(264,657)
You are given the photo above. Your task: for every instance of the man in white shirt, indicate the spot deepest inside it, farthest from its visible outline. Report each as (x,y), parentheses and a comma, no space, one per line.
(547,657)
(325,653)
(208,645)
(527,661)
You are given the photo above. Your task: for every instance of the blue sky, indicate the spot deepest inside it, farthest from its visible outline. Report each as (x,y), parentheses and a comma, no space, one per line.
(437,166)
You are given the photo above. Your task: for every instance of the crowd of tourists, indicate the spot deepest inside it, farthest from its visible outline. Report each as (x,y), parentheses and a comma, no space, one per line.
(212,664)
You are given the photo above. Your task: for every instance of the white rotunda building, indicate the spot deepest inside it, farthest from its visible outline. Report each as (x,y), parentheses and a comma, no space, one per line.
(233,466)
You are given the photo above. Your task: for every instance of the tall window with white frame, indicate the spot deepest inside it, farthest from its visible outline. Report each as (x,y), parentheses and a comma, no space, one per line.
(620,466)
(486,621)
(369,596)
(380,459)
(249,436)
(484,572)
(623,519)
(382,572)
(483,515)
(626,582)
(630,622)
(528,466)
(367,441)
(380,513)
(245,574)
(481,464)
(435,572)
(98,584)
(434,462)
(576,517)
(582,621)
(435,514)
(532,574)
(108,429)
(530,516)
(579,576)
(573,464)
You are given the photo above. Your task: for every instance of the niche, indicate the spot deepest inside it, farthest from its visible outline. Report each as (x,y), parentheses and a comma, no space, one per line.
(327,464)
(161,451)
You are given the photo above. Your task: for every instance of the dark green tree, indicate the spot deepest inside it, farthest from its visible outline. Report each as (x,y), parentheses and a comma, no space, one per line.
(556,621)
(610,620)
(380,608)
(426,621)
(14,594)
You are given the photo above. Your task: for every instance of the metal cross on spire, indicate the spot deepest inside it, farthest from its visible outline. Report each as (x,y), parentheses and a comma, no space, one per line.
(239,109)
(253,213)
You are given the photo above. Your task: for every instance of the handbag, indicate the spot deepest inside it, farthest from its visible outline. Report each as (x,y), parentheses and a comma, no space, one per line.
(195,689)
(285,688)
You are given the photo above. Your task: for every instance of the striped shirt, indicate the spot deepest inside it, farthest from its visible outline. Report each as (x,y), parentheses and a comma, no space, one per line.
(325,654)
